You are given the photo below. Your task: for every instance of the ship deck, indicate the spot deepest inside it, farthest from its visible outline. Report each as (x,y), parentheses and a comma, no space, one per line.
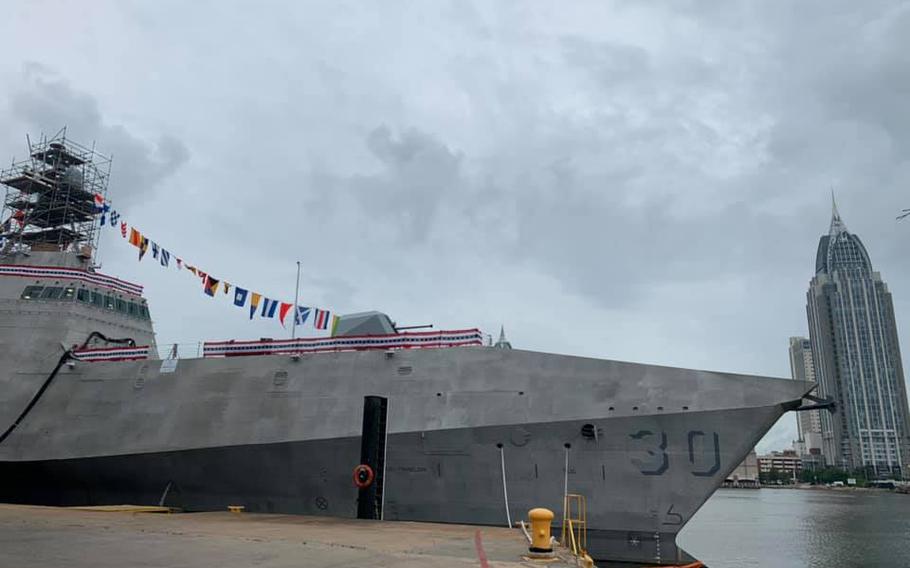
(80,538)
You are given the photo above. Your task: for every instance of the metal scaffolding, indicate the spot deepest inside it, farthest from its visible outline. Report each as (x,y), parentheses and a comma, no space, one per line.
(54,197)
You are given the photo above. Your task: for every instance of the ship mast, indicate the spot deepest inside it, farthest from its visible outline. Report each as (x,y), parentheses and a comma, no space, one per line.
(53,197)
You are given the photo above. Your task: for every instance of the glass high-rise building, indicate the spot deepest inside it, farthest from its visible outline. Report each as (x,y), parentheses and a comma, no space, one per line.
(808,423)
(857,358)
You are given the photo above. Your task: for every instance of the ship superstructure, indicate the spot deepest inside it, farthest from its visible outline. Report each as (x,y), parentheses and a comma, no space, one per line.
(454,431)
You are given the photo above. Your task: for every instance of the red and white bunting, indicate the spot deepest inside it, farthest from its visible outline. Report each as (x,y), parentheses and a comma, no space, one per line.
(91,278)
(413,340)
(112,354)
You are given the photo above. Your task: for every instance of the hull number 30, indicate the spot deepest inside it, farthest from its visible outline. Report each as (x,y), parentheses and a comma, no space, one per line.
(652,458)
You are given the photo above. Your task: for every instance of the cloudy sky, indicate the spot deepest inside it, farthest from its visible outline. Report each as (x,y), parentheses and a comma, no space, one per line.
(629,180)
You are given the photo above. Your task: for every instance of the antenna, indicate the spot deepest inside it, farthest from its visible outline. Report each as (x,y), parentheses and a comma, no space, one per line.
(296,310)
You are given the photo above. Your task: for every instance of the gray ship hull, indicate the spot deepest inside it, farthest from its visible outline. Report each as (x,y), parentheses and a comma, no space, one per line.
(643,476)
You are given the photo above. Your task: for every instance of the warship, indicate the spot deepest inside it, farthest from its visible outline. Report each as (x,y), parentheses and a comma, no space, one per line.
(439,425)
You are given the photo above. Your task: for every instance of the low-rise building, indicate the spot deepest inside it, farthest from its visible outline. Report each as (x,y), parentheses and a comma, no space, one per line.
(787,462)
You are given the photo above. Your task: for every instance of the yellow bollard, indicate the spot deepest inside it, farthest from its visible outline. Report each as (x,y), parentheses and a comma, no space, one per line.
(540,529)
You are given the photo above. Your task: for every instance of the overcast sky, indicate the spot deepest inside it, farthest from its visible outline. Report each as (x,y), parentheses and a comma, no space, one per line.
(639,181)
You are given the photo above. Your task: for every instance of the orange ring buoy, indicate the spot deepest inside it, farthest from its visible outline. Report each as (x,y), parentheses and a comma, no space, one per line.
(363,476)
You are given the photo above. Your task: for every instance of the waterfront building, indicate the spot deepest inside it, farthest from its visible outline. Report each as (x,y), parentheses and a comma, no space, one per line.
(808,424)
(787,462)
(856,358)
(745,474)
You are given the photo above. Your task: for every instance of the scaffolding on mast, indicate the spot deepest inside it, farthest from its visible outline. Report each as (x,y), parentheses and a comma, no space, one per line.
(54,197)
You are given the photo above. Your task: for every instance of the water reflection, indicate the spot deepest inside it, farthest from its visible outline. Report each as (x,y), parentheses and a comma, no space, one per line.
(783,528)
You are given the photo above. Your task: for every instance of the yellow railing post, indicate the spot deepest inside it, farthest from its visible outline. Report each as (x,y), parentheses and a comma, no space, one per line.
(575,519)
(572,539)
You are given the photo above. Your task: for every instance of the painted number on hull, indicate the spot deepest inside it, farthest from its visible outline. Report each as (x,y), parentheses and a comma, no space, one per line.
(705,462)
(656,447)
(704,452)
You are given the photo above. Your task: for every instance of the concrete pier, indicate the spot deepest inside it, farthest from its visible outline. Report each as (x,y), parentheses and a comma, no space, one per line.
(49,537)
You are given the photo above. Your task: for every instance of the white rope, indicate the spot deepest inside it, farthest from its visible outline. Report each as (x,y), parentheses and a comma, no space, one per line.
(505,490)
(524,529)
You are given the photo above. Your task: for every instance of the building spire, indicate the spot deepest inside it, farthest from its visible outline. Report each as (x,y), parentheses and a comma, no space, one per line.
(837,224)
(503,343)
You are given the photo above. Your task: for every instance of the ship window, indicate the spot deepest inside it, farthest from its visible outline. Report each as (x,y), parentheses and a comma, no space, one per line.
(110,302)
(98,299)
(84,295)
(68,293)
(32,292)
(133,309)
(51,293)
(121,306)
(144,311)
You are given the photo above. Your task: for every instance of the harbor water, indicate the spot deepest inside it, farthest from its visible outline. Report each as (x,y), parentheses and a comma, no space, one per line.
(800,528)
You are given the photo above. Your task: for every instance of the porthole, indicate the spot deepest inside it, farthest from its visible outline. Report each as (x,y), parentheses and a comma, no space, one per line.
(589,431)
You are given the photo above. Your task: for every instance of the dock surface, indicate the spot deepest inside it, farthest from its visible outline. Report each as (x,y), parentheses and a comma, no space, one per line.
(50,537)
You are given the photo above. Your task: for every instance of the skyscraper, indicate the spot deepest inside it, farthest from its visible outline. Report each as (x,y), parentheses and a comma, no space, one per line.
(802,368)
(857,358)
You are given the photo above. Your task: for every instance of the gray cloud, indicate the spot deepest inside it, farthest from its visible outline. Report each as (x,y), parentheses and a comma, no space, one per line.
(419,173)
(45,102)
(628,180)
